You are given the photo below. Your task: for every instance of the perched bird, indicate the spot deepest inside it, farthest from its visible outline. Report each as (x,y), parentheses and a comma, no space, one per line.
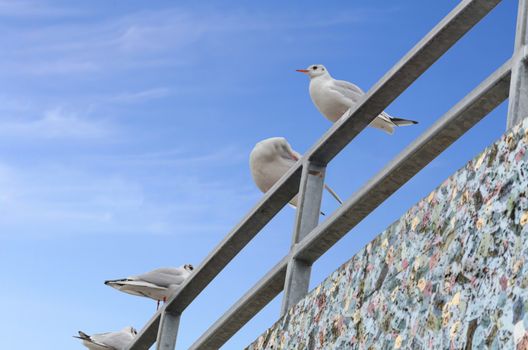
(270,159)
(158,284)
(334,97)
(108,341)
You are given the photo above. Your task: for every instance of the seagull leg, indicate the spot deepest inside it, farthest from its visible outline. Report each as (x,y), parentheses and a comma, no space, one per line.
(157,306)
(164,300)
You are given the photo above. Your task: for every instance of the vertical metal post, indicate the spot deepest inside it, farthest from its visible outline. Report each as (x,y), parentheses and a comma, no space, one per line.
(307,218)
(168,331)
(518,100)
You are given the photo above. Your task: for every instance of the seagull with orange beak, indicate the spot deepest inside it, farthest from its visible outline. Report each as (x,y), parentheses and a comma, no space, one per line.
(334,97)
(270,159)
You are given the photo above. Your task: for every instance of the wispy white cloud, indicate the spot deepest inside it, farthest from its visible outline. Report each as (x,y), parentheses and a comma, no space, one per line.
(57,67)
(56,123)
(160,30)
(182,158)
(11,104)
(32,9)
(142,96)
(60,199)
(108,191)
(140,38)
(73,199)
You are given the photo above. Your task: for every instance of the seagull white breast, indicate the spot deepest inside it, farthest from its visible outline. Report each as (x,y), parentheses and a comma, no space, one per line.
(330,102)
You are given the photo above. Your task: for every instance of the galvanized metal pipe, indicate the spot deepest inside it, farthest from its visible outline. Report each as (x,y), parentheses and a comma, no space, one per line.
(429,145)
(244,309)
(168,331)
(147,336)
(444,35)
(518,104)
(307,218)
(464,115)
(421,57)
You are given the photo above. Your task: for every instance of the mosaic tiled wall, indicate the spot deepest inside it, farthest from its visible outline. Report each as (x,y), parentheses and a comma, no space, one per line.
(450,274)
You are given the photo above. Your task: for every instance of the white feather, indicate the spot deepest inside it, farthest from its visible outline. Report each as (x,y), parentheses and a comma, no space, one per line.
(334,97)
(159,284)
(270,159)
(109,341)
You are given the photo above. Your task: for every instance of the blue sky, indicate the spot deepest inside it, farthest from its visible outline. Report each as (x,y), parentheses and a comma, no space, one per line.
(125,130)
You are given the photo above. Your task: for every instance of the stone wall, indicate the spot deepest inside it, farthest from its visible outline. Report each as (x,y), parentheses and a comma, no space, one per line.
(450,274)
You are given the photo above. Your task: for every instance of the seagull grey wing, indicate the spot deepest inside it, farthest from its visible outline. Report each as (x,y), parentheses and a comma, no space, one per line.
(117,340)
(161,279)
(171,270)
(348,90)
(386,117)
(95,341)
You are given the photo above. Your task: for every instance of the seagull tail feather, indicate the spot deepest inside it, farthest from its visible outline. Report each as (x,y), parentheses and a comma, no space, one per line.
(115,281)
(403,122)
(82,336)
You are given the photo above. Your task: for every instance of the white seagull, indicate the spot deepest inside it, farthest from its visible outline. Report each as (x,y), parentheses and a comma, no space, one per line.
(270,159)
(158,284)
(334,97)
(108,341)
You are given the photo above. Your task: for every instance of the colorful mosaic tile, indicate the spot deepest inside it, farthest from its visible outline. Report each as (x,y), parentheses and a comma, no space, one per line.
(450,274)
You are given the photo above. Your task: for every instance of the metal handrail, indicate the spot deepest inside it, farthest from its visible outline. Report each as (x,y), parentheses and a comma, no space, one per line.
(163,325)
(409,162)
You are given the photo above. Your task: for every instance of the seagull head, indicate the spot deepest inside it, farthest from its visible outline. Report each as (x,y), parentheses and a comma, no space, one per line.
(314,71)
(130,330)
(272,148)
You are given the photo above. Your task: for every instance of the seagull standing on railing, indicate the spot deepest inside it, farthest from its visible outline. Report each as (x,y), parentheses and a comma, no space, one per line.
(158,284)
(334,97)
(270,159)
(108,341)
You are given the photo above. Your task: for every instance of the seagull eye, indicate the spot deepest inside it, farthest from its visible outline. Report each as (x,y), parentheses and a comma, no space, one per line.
(314,67)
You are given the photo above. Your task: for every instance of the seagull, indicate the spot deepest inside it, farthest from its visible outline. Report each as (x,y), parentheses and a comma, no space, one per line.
(108,341)
(158,284)
(270,159)
(334,97)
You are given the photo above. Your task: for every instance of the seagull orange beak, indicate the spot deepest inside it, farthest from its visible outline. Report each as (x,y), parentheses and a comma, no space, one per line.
(302,70)
(294,156)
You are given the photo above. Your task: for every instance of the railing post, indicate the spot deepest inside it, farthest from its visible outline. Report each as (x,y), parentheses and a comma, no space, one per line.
(168,331)
(307,218)
(518,103)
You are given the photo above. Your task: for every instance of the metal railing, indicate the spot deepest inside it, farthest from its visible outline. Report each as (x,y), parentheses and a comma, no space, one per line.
(311,240)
